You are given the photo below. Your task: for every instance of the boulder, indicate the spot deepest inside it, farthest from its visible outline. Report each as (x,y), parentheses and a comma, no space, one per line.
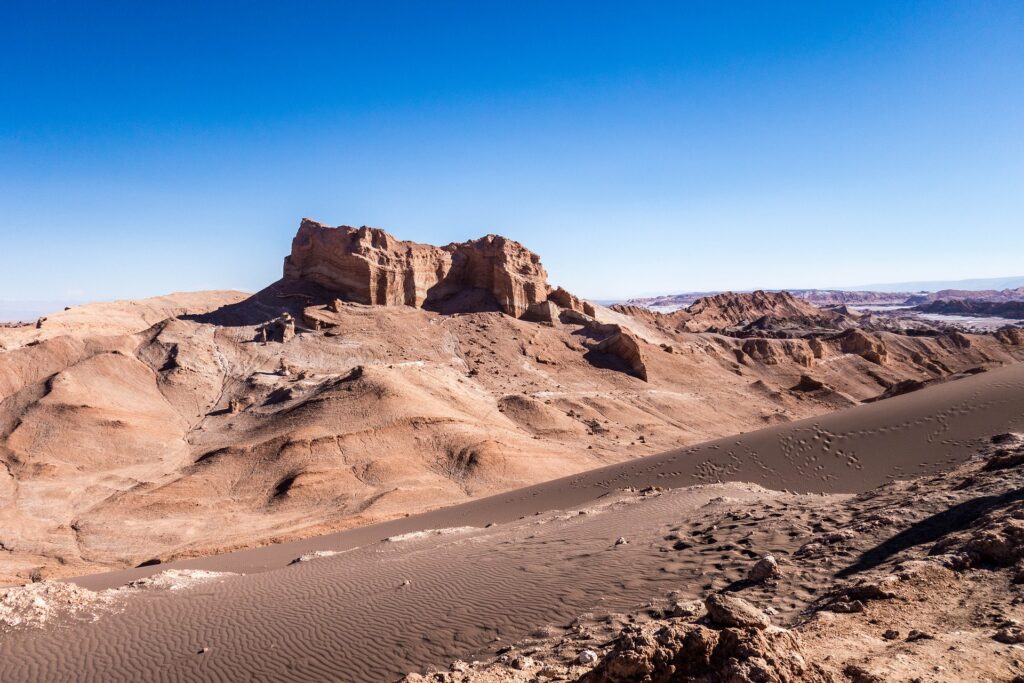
(542,312)
(807,383)
(624,345)
(728,610)
(764,569)
(278,330)
(369,266)
(571,302)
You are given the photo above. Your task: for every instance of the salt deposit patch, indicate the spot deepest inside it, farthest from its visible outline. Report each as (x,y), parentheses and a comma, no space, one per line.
(176,579)
(414,535)
(318,554)
(36,604)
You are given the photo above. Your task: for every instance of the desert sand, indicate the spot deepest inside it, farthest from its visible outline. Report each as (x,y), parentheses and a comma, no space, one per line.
(530,566)
(402,459)
(381,378)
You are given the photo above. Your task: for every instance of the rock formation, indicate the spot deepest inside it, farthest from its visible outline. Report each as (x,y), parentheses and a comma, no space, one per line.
(723,311)
(624,345)
(692,652)
(1010,335)
(753,314)
(278,330)
(864,345)
(570,301)
(369,266)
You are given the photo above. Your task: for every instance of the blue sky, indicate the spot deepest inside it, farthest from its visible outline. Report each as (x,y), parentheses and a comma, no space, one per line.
(638,147)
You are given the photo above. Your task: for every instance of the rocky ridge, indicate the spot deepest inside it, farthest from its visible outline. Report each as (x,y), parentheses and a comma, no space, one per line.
(369,266)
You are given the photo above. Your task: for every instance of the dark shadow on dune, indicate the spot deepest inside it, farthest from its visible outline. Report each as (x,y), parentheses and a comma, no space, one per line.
(931,529)
(293,296)
(607,361)
(284,296)
(739,585)
(469,300)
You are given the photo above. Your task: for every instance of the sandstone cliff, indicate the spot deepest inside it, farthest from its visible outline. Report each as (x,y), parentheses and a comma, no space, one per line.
(369,266)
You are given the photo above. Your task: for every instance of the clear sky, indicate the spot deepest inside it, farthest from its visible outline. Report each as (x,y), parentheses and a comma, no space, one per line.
(639,147)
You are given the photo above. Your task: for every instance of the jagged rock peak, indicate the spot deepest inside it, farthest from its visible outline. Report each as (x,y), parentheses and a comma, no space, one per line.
(370,266)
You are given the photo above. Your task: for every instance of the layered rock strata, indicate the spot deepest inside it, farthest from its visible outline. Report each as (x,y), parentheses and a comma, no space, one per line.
(369,266)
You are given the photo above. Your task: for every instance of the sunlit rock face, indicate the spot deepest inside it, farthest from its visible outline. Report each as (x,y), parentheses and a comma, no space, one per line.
(369,266)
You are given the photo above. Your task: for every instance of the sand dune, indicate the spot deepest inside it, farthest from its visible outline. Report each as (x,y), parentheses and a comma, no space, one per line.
(383,609)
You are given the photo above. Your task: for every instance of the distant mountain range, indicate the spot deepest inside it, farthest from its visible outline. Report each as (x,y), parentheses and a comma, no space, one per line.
(905,294)
(938,285)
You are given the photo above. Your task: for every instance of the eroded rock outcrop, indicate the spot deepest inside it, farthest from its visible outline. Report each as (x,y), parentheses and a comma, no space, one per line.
(278,330)
(1011,336)
(757,311)
(570,301)
(624,345)
(864,345)
(692,652)
(369,266)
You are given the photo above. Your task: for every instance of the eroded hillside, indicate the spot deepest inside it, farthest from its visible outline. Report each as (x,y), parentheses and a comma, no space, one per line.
(144,431)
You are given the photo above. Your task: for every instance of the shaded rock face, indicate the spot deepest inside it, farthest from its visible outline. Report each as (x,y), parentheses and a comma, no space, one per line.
(1005,309)
(624,345)
(369,266)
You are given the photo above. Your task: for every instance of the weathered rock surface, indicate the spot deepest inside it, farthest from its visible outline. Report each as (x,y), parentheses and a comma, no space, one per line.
(727,610)
(764,569)
(570,301)
(863,344)
(756,309)
(624,345)
(691,652)
(1010,335)
(369,266)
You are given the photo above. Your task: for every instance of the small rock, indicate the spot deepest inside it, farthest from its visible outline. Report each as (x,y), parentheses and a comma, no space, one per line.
(918,635)
(891,634)
(203,650)
(522,662)
(847,606)
(765,568)
(621,541)
(726,610)
(687,609)
(873,590)
(1011,635)
(587,657)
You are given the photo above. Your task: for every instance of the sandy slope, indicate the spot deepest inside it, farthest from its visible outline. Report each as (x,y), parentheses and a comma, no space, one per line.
(154,430)
(916,581)
(352,616)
